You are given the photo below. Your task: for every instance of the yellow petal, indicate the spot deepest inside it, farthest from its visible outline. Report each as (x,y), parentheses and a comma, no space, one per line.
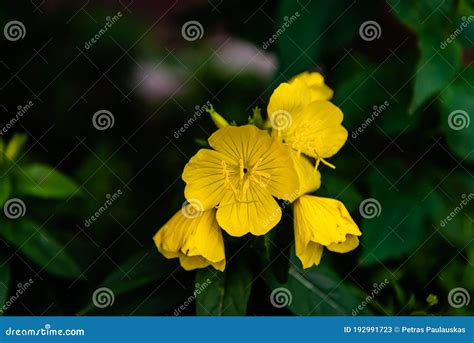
(316,130)
(197,240)
(257,212)
(197,262)
(322,220)
(309,177)
(309,254)
(288,99)
(349,244)
(265,157)
(207,238)
(315,81)
(204,178)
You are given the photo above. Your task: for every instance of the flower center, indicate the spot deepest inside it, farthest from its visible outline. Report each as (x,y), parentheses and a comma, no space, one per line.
(302,143)
(247,175)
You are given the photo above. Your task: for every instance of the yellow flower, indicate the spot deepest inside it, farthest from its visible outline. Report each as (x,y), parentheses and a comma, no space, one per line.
(315,81)
(193,237)
(310,127)
(309,178)
(322,222)
(241,177)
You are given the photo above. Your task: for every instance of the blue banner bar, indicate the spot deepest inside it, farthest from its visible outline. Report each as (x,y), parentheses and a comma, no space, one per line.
(237,329)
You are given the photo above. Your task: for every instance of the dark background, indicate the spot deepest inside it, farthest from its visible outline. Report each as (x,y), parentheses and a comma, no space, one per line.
(152,80)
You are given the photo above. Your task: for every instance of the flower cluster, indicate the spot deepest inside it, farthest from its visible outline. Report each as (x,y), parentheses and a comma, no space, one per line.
(234,186)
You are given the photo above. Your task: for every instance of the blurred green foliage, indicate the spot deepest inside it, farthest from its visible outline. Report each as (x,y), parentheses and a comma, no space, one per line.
(408,157)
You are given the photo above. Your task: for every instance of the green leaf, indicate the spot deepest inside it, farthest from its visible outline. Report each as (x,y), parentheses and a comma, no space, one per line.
(457,105)
(42,181)
(274,249)
(402,203)
(40,247)
(436,68)
(4,284)
(430,21)
(372,100)
(422,15)
(5,190)
(453,216)
(302,31)
(223,294)
(316,291)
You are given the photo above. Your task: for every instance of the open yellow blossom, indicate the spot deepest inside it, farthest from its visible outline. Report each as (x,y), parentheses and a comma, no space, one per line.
(322,222)
(310,127)
(195,239)
(315,82)
(241,177)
